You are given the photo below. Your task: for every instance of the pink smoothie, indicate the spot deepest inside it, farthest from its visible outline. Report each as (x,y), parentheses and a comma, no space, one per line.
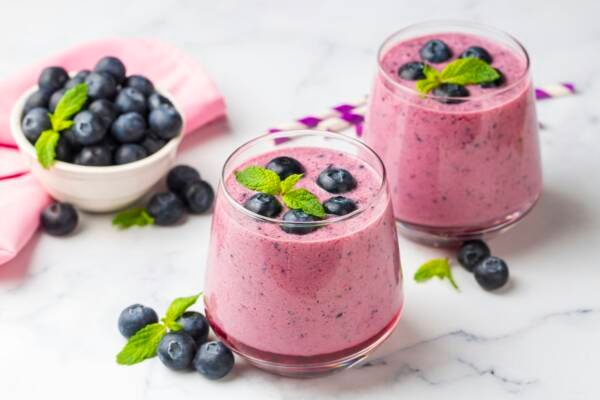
(305,298)
(459,167)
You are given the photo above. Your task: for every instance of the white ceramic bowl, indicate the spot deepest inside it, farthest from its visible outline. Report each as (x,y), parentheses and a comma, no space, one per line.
(97,189)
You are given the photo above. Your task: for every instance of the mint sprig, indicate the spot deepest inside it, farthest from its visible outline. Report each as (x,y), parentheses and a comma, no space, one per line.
(259,179)
(462,71)
(302,199)
(136,216)
(436,268)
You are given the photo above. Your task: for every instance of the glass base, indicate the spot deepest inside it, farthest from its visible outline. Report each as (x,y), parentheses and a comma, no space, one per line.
(301,366)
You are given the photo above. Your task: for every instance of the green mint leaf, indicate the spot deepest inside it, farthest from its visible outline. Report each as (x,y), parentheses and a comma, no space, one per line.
(430,73)
(438,267)
(468,71)
(142,345)
(71,102)
(288,183)
(132,217)
(62,125)
(178,307)
(302,199)
(259,179)
(431,80)
(45,147)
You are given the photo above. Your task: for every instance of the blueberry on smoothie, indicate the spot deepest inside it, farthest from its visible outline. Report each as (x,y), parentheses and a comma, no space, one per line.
(59,219)
(435,51)
(77,79)
(112,66)
(176,350)
(55,98)
(285,166)
(496,82)
(96,156)
(63,150)
(263,204)
(198,197)
(134,318)
(105,109)
(194,324)
(152,143)
(491,273)
(129,127)
(53,78)
(100,86)
(448,93)
(166,209)
(477,52)
(412,71)
(336,180)
(88,128)
(141,83)
(471,253)
(156,100)
(39,98)
(129,152)
(165,121)
(298,216)
(35,122)
(180,176)
(130,100)
(339,205)
(214,360)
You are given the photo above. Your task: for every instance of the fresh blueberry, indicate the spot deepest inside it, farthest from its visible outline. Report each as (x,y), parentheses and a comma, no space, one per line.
(339,205)
(105,109)
(194,324)
(180,176)
(112,66)
(35,122)
(69,136)
(130,100)
(134,318)
(166,208)
(156,100)
(412,71)
(491,273)
(198,197)
(128,128)
(298,216)
(100,86)
(214,360)
(471,253)
(496,82)
(53,78)
(435,51)
(176,350)
(477,52)
(55,98)
(263,204)
(77,79)
(165,121)
(336,180)
(63,150)
(59,219)
(449,93)
(152,143)
(110,143)
(285,166)
(88,128)
(97,156)
(140,83)
(39,98)
(129,152)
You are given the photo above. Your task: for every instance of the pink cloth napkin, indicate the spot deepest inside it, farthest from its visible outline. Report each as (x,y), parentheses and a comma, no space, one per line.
(21,197)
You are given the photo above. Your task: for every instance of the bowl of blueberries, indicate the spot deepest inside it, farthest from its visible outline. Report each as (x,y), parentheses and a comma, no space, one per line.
(110,148)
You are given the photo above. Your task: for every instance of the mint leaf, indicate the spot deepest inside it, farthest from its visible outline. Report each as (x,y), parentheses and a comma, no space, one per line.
(132,217)
(45,147)
(71,102)
(467,71)
(430,73)
(142,345)
(288,183)
(438,267)
(302,199)
(425,85)
(259,179)
(178,307)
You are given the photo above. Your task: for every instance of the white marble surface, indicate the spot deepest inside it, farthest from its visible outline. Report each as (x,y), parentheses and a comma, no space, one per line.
(540,339)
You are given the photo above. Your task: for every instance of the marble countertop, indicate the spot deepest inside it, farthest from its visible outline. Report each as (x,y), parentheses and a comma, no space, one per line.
(539,339)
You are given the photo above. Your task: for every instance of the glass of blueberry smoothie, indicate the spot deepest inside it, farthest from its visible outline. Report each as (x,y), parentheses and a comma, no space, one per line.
(452,115)
(303,273)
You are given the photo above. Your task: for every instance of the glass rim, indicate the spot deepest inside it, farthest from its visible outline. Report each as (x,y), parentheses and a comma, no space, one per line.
(299,133)
(468,24)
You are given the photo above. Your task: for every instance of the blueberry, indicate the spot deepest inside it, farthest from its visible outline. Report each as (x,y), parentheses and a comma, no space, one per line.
(471,253)
(59,219)
(180,176)
(69,136)
(130,152)
(128,128)
(134,318)
(130,100)
(112,66)
(298,216)
(55,98)
(166,208)
(165,121)
(336,180)
(339,205)
(435,51)
(140,83)
(88,128)
(285,166)
(156,100)
(448,93)
(412,71)
(77,79)
(194,324)
(105,109)
(176,350)
(491,273)
(110,143)
(214,360)
(477,52)
(39,98)
(94,156)
(263,204)
(152,143)
(198,197)
(63,150)
(35,122)
(100,86)
(496,82)
(53,78)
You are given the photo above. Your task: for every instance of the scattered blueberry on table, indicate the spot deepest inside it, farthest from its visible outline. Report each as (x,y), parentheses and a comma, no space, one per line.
(59,219)
(490,272)
(134,318)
